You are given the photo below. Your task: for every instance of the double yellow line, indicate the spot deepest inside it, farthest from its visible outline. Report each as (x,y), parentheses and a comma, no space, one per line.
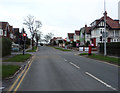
(24,72)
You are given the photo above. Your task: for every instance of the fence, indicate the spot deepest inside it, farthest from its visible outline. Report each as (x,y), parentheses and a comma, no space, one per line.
(113,48)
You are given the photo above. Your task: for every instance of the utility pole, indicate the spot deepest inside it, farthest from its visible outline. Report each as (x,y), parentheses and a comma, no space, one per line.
(105,53)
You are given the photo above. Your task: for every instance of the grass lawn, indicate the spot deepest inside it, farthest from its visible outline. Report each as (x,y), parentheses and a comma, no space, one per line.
(105,58)
(9,70)
(18,58)
(62,49)
(34,49)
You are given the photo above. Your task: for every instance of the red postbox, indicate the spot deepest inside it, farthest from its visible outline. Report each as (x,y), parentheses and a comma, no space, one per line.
(90,49)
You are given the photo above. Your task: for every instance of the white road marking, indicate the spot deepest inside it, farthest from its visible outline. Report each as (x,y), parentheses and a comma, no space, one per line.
(107,85)
(65,59)
(74,65)
(2,88)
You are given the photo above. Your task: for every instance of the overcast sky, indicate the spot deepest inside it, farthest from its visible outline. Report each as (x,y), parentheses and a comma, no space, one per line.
(57,16)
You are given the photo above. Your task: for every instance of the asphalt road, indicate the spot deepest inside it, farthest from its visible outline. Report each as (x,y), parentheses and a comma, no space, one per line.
(55,70)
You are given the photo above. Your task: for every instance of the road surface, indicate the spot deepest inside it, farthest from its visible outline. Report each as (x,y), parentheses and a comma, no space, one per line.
(55,70)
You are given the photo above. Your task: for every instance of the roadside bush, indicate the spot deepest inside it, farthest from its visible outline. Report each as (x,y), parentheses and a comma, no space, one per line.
(87,43)
(6,46)
(0,47)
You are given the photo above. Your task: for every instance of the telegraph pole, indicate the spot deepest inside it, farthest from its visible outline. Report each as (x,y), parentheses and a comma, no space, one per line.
(105,53)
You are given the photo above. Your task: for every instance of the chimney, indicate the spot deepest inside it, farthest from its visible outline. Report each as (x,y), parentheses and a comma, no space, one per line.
(105,14)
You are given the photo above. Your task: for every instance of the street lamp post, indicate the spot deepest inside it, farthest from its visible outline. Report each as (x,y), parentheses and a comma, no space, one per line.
(105,29)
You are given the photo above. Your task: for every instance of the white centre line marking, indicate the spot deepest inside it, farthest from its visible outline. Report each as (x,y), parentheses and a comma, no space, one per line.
(107,85)
(74,65)
(65,59)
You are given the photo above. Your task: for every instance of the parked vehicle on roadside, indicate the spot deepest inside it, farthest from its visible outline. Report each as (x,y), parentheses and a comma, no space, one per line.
(15,47)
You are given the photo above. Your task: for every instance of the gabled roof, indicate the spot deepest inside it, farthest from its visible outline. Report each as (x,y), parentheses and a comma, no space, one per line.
(4,25)
(87,29)
(70,34)
(11,28)
(114,24)
(77,32)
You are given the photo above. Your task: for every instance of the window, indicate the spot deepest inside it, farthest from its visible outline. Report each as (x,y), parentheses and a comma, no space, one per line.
(114,40)
(111,40)
(1,32)
(102,23)
(116,33)
(117,40)
(5,33)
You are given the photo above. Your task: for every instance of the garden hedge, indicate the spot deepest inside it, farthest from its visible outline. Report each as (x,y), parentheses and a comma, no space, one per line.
(6,46)
(113,48)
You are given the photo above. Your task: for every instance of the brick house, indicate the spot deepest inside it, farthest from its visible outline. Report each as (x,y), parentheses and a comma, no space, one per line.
(77,36)
(82,36)
(17,35)
(70,37)
(11,34)
(85,35)
(59,41)
(112,28)
(6,30)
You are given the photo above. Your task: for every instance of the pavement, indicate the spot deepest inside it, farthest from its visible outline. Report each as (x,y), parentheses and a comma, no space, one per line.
(55,70)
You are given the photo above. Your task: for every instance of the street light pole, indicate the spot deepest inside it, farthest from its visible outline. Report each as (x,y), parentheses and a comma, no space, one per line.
(105,29)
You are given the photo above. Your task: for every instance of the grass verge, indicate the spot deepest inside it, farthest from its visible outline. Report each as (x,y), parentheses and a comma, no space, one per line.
(105,58)
(9,70)
(18,58)
(34,49)
(61,49)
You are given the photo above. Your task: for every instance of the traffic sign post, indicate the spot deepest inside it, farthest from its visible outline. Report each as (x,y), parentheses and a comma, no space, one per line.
(24,39)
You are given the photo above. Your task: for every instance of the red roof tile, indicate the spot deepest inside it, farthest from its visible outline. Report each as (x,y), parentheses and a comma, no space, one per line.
(87,29)
(114,24)
(77,32)
(3,25)
(70,34)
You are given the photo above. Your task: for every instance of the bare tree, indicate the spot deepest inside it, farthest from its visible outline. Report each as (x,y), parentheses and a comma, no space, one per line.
(48,37)
(38,37)
(33,26)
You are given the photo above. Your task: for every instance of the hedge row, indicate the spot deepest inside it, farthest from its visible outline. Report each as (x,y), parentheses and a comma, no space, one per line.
(6,46)
(113,48)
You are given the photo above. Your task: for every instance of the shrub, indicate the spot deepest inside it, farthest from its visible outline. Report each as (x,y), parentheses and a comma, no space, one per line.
(6,46)
(87,43)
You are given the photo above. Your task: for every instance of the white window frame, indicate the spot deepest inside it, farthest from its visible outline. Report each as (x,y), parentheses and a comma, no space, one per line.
(5,33)
(1,32)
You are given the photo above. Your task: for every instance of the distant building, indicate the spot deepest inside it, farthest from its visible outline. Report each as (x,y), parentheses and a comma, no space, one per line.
(77,36)
(17,36)
(58,41)
(112,28)
(6,30)
(70,37)
(87,33)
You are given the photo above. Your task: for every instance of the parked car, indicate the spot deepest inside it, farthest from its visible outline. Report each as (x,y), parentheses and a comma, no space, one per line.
(15,47)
